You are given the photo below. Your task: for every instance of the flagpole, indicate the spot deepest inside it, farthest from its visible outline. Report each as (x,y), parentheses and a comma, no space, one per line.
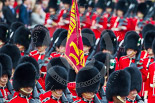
(76,24)
(76,21)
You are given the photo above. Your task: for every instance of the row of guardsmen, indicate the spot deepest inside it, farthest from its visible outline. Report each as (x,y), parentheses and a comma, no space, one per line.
(34,69)
(120,17)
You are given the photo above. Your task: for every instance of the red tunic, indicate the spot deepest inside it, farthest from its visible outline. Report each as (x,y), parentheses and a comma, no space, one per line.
(52,28)
(98,95)
(46,98)
(117,64)
(131,101)
(72,88)
(5,92)
(143,54)
(146,62)
(144,71)
(42,81)
(102,22)
(135,22)
(86,21)
(37,56)
(67,18)
(55,54)
(18,99)
(107,15)
(86,56)
(125,61)
(22,53)
(114,23)
(151,78)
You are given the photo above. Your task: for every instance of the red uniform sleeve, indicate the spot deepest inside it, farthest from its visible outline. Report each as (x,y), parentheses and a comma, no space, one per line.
(120,63)
(144,70)
(117,64)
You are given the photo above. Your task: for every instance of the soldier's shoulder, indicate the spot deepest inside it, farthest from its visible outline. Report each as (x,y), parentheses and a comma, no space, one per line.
(34,52)
(124,57)
(46,99)
(13,99)
(45,96)
(77,101)
(152,64)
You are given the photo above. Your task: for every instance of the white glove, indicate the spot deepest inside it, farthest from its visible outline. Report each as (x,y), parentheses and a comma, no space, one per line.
(145,101)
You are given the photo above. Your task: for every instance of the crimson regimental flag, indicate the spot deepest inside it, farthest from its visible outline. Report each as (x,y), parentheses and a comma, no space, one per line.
(74,46)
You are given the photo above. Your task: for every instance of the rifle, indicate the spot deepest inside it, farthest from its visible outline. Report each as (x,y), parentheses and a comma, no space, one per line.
(121,43)
(10,38)
(69,96)
(35,95)
(55,16)
(147,17)
(64,99)
(83,18)
(39,87)
(93,52)
(66,14)
(121,21)
(111,14)
(103,95)
(94,9)
(96,100)
(98,19)
(137,58)
(11,90)
(1,98)
(47,54)
(139,99)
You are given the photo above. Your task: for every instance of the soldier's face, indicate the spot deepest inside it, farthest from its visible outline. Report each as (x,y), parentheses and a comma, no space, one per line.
(88,95)
(108,10)
(66,6)
(90,9)
(3,80)
(131,53)
(42,49)
(82,10)
(57,93)
(140,15)
(26,90)
(62,49)
(52,11)
(86,49)
(132,94)
(99,10)
(21,47)
(119,13)
(1,43)
(149,51)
